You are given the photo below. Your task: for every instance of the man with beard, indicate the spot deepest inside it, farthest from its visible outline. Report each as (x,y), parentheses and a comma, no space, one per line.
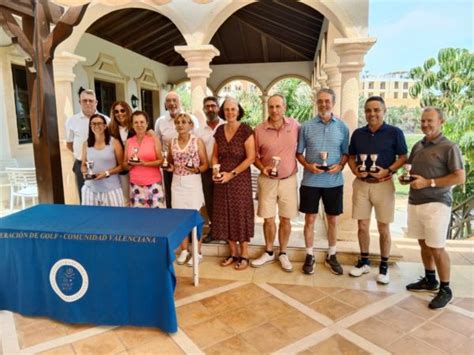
(206,133)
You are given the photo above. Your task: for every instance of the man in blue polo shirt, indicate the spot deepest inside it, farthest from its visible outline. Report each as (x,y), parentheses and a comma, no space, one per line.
(324,140)
(376,151)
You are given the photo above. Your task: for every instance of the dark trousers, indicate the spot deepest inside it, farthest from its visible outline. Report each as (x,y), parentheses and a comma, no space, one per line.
(76,168)
(208,189)
(167,179)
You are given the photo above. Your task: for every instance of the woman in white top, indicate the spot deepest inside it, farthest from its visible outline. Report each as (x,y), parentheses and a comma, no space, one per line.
(101,158)
(188,159)
(120,128)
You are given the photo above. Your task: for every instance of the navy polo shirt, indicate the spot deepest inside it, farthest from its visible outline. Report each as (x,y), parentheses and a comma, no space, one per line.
(388,142)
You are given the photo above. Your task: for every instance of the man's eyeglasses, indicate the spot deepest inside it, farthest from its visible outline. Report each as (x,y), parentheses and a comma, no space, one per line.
(97,124)
(88,101)
(119,111)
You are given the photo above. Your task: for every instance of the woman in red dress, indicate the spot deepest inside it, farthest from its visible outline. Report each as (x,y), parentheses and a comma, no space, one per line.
(233,212)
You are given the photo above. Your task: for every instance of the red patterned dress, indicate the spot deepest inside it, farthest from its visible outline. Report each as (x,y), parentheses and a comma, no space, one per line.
(233,214)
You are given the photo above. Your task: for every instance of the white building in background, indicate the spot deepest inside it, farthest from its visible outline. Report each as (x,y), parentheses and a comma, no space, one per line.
(393,87)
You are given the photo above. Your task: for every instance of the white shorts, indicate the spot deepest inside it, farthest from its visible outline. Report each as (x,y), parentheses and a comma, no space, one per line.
(429,221)
(109,198)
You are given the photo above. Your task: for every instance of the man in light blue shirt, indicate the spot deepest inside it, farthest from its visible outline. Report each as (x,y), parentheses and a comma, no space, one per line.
(325,142)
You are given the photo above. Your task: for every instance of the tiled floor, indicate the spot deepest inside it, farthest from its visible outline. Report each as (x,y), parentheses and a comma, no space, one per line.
(267,310)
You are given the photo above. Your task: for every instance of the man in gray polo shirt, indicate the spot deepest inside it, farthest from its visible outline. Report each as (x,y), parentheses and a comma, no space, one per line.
(436,166)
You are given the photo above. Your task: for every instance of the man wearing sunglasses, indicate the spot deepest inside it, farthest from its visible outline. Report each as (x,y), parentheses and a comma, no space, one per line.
(77,130)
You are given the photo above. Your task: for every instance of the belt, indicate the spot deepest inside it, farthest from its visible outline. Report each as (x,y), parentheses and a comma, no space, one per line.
(372,180)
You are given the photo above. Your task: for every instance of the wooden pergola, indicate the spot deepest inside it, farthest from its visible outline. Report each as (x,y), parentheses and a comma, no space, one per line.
(38,27)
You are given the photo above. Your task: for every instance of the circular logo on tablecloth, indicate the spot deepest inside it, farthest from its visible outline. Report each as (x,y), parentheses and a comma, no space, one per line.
(69,280)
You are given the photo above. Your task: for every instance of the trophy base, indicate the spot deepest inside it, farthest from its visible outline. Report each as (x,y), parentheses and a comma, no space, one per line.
(407,178)
(190,166)
(323,167)
(90,176)
(165,165)
(273,174)
(374,170)
(134,161)
(361,169)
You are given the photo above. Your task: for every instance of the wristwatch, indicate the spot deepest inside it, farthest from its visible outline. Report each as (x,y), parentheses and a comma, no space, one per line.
(107,174)
(433,183)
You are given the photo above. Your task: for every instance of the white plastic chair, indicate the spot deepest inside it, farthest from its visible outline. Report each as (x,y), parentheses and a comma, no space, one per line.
(22,184)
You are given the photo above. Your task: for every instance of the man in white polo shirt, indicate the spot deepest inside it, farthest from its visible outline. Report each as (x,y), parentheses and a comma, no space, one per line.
(77,130)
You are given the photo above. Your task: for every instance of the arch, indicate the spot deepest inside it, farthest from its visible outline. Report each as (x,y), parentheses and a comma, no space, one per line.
(98,10)
(238,77)
(286,76)
(330,9)
(185,79)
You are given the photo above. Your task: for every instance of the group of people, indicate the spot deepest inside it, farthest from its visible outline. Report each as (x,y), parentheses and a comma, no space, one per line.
(180,164)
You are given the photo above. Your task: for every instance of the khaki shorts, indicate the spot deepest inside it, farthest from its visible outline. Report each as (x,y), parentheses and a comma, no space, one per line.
(429,221)
(380,196)
(273,192)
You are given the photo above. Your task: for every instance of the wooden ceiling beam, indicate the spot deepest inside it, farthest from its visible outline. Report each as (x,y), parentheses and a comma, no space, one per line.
(171,41)
(263,39)
(220,45)
(299,54)
(125,24)
(242,39)
(155,32)
(140,28)
(302,12)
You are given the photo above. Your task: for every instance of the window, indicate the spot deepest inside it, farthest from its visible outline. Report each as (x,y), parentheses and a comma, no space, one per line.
(371,84)
(396,84)
(382,85)
(395,95)
(106,96)
(382,95)
(22,104)
(147,102)
(405,86)
(371,94)
(405,95)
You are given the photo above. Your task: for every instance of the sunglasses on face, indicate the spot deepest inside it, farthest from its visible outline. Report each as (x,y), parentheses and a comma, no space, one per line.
(119,111)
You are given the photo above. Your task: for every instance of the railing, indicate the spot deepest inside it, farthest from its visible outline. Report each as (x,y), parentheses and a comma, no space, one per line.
(461,220)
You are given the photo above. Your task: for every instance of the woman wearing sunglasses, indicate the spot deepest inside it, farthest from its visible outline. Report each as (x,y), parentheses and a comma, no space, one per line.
(120,128)
(101,162)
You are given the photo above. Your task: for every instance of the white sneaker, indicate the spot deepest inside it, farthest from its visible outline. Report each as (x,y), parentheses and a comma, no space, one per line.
(190,261)
(265,258)
(183,256)
(383,279)
(285,263)
(359,269)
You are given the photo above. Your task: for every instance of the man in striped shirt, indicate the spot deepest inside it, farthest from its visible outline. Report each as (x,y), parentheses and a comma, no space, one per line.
(324,140)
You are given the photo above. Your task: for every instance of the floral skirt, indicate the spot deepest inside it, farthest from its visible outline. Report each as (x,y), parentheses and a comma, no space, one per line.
(147,196)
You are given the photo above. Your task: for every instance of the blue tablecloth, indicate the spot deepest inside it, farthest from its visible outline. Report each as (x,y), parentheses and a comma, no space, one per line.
(99,265)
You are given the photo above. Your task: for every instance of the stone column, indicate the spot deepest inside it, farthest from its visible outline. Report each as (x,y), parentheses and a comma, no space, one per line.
(351,52)
(264,99)
(63,65)
(334,82)
(198,58)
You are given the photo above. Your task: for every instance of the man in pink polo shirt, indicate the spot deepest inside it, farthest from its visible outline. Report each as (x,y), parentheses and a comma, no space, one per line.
(275,142)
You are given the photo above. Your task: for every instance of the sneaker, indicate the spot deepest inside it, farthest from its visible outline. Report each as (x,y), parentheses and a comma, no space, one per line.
(308,266)
(183,256)
(333,265)
(285,263)
(359,269)
(423,285)
(441,300)
(383,278)
(265,258)
(190,261)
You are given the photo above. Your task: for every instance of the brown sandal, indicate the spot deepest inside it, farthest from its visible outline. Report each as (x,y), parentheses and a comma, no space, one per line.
(242,264)
(229,260)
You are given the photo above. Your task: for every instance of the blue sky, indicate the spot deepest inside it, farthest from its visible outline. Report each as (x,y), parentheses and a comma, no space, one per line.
(410,31)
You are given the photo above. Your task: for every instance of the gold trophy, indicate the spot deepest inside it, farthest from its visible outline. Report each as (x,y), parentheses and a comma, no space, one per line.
(165,164)
(406,177)
(90,174)
(216,170)
(374,168)
(324,166)
(190,164)
(275,163)
(362,168)
(134,158)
